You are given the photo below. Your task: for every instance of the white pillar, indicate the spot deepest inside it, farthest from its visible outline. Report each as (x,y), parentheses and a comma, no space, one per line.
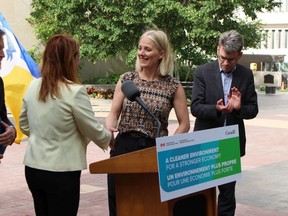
(283,39)
(276,39)
(270,39)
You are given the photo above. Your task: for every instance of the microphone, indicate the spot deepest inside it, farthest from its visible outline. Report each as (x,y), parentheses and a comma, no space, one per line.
(132,93)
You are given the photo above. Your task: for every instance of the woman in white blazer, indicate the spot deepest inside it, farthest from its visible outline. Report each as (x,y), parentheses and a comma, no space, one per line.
(58,119)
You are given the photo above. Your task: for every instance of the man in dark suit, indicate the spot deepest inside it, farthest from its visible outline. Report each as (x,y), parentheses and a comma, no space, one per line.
(7,130)
(224,94)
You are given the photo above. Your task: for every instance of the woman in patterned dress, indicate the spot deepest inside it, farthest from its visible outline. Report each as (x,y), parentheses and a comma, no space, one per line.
(159,91)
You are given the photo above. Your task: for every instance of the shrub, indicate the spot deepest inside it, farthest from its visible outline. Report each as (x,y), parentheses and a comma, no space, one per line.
(110,79)
(100,93)
(262,88)
(186,73)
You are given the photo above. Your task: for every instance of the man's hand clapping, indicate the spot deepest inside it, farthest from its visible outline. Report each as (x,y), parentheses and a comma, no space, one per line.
(235,99)
(234,102)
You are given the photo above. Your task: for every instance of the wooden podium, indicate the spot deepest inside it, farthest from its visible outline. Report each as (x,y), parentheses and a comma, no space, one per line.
(137,188)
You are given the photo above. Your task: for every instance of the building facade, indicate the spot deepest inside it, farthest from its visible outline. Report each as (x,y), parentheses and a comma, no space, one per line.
(275,32)
(16,12)
(272,53)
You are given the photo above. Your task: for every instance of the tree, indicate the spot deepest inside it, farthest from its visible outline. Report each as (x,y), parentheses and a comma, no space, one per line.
(107,28)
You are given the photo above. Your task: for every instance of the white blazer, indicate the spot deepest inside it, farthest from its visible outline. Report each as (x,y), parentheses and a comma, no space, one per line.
(58,129)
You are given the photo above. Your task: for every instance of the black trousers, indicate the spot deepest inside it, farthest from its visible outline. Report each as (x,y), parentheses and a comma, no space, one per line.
(226,199)
(124,143)
(54,193)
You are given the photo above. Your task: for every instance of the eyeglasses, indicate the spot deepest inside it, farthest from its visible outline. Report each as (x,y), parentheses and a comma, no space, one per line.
(229,60)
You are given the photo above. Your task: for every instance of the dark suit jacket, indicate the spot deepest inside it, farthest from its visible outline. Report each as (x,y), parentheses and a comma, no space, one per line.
(3,112)
(207,90)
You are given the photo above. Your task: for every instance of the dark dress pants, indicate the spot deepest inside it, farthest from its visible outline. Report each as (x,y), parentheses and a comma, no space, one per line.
(124,143)
(226,199)
(54,193)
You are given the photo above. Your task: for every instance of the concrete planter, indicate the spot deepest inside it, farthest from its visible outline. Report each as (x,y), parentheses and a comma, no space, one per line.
(102,86)
(270,90)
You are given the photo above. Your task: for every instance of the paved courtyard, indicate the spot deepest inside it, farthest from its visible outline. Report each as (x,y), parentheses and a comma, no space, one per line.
(262,190)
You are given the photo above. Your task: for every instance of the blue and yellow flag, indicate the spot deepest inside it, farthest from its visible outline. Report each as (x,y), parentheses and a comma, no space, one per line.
(18,69)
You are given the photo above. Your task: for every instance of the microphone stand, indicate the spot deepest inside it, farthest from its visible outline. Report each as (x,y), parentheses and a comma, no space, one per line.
(139,101)
(158,122)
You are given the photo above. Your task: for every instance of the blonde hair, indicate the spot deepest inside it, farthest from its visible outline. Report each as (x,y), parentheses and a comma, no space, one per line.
(161,41)
(59,65)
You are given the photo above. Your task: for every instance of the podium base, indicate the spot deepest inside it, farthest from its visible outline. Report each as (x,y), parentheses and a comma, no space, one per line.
(139,194)
(195,205)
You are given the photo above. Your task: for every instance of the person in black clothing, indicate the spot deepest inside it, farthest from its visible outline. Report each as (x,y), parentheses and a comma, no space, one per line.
(224,94)
(7,130)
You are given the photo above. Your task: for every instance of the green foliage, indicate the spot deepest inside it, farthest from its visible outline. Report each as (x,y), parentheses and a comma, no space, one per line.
(106,28)
(109,79)
(186,73)
(35,54)
(131,57)
(262,88)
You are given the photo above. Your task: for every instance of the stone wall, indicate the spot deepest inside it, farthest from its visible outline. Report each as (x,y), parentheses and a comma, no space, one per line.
(259,78)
